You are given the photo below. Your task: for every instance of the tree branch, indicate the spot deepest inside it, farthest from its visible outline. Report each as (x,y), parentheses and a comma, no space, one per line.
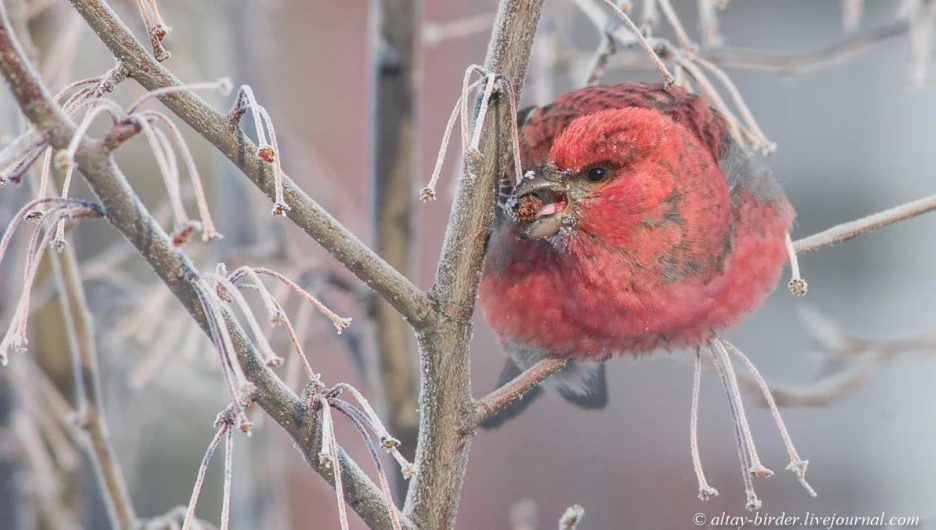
(846,231)
(239,149)
(126,213)
(799,63)
(849,363)
(445,395)
(90,406)
(789,64)
(392,173)
(515,389)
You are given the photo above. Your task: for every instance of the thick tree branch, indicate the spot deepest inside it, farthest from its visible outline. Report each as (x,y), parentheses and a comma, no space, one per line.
(445,395)
(392,173)
(237,147)
(126,213)
(459,271)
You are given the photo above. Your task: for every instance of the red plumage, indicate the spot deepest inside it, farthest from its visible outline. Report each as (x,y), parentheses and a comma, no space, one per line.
(657,230)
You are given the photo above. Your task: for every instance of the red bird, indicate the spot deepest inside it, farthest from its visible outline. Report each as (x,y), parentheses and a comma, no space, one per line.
(639,225)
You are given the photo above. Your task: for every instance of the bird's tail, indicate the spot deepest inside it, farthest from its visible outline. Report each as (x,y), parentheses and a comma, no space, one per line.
(581,383)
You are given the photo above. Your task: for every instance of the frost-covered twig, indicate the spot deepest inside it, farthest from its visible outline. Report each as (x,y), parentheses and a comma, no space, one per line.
(155,28)
(15,338)
(340,323)
(428,193)
(642,41)
(571,517)
(852,229)
(705,490)
(797,465)
(325,399)
(854,361)
(91,414)
(515,389)
(225,423)
(268,151)
(470,144)
(239,388)
(209,232)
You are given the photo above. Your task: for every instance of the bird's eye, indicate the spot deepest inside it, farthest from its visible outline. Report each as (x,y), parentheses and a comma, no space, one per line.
(597,174)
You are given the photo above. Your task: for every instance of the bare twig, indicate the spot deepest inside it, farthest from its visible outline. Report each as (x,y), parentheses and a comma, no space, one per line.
(640,39)
(705,490)
(741,430)
(428,193)
(19,150)
(48,410)
(861,359)
(46,485)
(441,318)
(224,426)
(801,63)
(359,421)
(797,465)
(766,146)
(673,20)
(708,23)
(833,387)
(787,64)
(514,390)
(846,231)
(571,518)
(600,62)
(76,315)
(797,285)
(155,27)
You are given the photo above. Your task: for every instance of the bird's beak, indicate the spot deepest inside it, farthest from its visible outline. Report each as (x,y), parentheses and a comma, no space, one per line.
(539,202)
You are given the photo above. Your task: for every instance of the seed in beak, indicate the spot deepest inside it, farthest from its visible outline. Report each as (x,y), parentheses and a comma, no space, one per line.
(528,207)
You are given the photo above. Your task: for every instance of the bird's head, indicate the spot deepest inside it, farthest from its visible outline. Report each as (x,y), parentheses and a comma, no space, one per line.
(613,174)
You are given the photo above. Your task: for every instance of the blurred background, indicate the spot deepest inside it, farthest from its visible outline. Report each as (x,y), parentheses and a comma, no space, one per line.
(854,137)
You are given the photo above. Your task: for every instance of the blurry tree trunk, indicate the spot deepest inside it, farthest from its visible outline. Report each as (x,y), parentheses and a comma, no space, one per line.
(51,346)
(393,159)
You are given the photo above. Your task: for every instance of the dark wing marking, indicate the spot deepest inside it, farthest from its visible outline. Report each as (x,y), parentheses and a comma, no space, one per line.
(523,114)
(590,390)
(745,169)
